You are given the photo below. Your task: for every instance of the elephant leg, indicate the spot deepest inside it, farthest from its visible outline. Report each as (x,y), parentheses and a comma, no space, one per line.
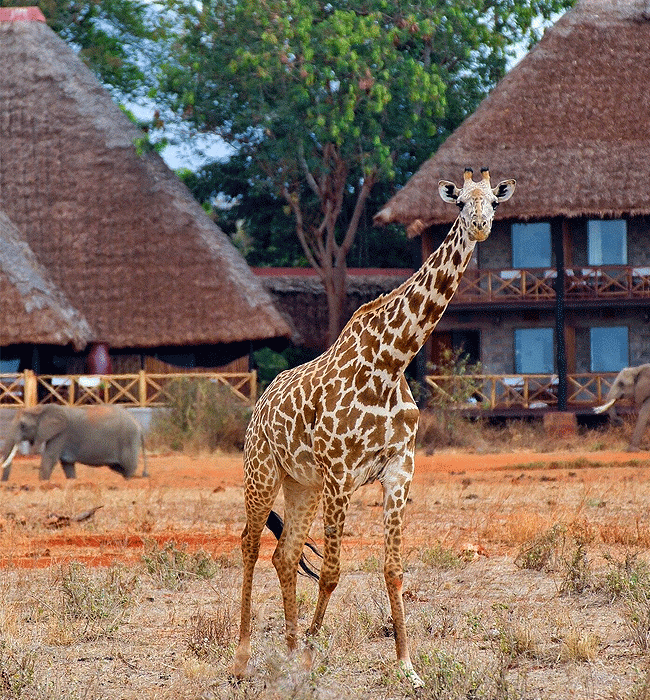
(70,471)
(639,428)
(51,455)
(119,468)
(47,465)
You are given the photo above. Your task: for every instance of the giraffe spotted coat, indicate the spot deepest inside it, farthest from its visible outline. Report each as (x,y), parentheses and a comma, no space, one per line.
(347,418)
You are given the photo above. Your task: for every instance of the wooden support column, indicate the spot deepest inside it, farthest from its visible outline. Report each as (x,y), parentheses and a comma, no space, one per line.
(557,241)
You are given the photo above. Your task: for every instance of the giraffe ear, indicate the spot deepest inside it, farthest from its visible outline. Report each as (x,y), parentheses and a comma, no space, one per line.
(503,191)
(448,191)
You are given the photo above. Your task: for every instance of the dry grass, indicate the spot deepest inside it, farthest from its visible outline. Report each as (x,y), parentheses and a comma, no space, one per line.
(444,429)
(526,582)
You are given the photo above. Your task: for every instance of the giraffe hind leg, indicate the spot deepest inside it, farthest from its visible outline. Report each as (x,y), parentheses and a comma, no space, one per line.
(335,505)
(301,503)
(276,525)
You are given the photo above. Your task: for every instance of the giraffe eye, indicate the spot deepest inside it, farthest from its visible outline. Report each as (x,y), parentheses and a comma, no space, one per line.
(495,204)
(460,204)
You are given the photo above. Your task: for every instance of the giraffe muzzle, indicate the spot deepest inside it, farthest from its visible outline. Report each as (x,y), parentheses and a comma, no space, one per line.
(479,233)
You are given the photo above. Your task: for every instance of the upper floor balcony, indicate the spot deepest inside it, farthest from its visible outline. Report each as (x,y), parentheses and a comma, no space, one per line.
(613,283)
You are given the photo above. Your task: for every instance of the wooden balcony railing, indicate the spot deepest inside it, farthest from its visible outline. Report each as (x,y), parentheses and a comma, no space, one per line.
(142,389)
(517,391)
(580,283)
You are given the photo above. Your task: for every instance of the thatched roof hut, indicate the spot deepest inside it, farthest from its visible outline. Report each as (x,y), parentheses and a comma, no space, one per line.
(116,230)
(569,122)
(33,310)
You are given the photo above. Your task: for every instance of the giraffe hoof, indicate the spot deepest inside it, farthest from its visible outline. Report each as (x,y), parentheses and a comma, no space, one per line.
(307,658)
(239,667)
(411,676)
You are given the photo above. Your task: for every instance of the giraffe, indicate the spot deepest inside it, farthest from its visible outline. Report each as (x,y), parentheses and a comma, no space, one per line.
(347,418)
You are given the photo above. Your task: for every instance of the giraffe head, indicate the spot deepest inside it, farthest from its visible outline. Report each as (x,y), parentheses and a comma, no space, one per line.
(477,201)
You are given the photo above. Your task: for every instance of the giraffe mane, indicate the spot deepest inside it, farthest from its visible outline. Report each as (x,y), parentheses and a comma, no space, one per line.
(380,301)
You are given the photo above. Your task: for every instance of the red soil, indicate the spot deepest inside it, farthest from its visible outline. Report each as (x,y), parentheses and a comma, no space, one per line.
(35,546)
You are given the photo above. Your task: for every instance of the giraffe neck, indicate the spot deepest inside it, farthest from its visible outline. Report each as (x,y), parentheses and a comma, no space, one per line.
(399,323)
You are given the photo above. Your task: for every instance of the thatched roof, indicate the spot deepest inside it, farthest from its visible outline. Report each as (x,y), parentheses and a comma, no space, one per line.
(119,234)
(32,308)
(570,123)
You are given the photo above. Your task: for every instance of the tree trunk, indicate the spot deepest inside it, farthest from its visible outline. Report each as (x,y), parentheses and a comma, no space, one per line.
(336,292)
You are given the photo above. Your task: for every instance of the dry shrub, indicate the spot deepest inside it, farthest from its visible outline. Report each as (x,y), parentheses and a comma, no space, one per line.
(16,671)
(443,428)
(200,415)
(210,636)
(542,553)
(579,645)
(170,566)
(94,603)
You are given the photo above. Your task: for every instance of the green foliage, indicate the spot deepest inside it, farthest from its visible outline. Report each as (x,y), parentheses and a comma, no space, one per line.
(322,101)
(442,558)
(170,566)
(270,363)
(460,387)
(261,224)
(200,415)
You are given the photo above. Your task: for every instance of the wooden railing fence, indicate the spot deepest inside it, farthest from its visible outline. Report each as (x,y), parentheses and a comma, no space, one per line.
(493,392)
(535,285)
(143,389)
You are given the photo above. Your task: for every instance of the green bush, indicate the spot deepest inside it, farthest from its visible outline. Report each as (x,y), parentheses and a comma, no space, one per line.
(200,415)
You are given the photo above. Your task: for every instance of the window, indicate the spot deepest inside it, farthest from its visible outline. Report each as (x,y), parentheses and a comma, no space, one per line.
(607,242)
(9,362)
(609,349)
(534,351)
(531,245)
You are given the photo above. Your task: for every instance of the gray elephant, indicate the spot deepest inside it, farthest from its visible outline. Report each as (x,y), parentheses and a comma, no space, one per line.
(631,383)
(96,436)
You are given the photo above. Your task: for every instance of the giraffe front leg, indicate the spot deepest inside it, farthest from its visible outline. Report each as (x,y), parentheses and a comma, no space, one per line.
(395,496)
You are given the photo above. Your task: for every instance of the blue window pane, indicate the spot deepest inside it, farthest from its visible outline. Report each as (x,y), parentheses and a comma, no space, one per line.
(534,351)
(609,349)
(531,245)
(607,242)
(9,366)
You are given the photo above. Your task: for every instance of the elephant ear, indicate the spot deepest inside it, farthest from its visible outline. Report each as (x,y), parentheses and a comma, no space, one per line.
(642,385)
(50,425)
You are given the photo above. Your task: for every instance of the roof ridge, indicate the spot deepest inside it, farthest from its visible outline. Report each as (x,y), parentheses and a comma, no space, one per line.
(21,14)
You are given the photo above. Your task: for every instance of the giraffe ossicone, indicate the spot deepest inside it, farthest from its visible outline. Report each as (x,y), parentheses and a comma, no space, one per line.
(347,418)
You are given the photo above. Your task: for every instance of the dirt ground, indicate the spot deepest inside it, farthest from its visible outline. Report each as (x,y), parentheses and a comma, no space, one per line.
(482,624)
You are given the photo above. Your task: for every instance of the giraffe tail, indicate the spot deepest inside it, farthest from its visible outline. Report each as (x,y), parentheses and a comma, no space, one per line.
(275,525)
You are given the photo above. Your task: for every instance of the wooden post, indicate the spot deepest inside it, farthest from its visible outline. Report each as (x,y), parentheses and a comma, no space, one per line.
(31,393)
(253,381)
(557,239)
(142,388)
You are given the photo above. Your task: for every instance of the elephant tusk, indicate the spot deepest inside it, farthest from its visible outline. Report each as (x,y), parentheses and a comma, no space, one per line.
(10,457)
(604,407)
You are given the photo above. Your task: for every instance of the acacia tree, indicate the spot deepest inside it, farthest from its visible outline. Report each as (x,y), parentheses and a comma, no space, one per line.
(326,99)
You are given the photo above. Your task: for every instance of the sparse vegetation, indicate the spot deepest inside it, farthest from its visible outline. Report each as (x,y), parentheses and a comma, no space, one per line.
(201,416)
(94,602)
(556,591)
(171,566)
